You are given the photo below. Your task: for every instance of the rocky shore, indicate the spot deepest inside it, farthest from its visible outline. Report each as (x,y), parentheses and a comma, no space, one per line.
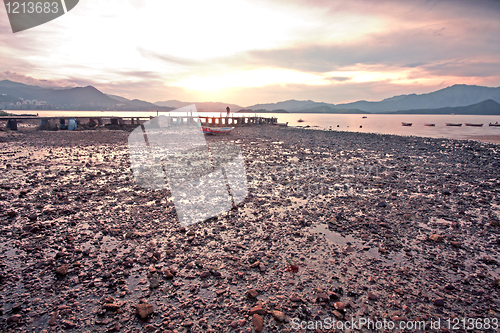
(336,225)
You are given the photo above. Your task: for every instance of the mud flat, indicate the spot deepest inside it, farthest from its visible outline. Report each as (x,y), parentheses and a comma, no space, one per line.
(336,225)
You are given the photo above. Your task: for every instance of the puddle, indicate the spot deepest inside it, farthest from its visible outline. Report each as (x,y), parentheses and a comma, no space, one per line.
(357,247)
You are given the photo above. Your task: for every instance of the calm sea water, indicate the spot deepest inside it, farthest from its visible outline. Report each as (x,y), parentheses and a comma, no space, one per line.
(374,123)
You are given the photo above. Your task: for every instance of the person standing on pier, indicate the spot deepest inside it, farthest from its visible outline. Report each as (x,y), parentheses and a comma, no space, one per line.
(228,110)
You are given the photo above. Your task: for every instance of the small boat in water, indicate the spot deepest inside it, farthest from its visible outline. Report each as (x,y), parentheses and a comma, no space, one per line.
(453,124)
(429,124)
(475,125)
(364,117)
(217,130)
(300,121)
(495,124)
(406,124)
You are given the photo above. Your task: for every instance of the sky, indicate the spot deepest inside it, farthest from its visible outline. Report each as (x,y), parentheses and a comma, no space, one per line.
(259,51)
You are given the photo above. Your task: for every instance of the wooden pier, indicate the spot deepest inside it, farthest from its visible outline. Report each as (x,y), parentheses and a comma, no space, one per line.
(106,121)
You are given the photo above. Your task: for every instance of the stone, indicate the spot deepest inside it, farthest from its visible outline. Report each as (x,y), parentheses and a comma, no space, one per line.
(258,323)
(295,298)
(372,296)
(14,318)
(456,244)
(167,274)
(436,238)
(332,295)
(204,274)
(278,315)
(144,310)
(257,310)
(322,297)
(252,293)
(339,306)
(62,270)
(439,302)
(68,324)
(53,320)
(111,307)
(337,314)
(154,282)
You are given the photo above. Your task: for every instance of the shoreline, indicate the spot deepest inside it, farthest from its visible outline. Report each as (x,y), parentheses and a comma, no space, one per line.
(378,226)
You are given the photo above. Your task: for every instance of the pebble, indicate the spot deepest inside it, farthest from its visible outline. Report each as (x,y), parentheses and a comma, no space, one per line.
(278,315)
(62,270)
(436,238)
(439,302)
(252,293)
(338,314)
(111,306)
(339,306)
(257,310)
(144,310)
(14,318)
(258,323)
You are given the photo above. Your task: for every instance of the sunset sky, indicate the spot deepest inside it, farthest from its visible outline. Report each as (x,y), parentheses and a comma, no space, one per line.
(259,51)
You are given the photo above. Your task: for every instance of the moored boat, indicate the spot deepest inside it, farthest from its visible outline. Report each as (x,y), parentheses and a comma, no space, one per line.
(406,124)
(495,124)
(453,124)
(217,130)
(300,121)
(475,125)
(429,124)
(364,117)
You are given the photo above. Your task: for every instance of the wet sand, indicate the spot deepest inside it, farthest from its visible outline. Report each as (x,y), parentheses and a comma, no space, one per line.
(485,138)
(336,225)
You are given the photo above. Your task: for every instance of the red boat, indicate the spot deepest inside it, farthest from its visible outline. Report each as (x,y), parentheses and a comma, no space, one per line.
(452,124)
(406,124)
(217,130)
(495,124)
(475,125)
(429,124)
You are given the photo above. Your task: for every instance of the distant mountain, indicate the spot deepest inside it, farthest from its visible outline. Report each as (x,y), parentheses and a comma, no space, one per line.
(173,103)
(290,105)
(330,110)
(474,99)
(139,103)
(488,107)
(456,95)
(79,98)
(263,111)
(202,106)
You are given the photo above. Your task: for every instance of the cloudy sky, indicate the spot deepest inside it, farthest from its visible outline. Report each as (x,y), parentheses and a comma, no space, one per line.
(259,51)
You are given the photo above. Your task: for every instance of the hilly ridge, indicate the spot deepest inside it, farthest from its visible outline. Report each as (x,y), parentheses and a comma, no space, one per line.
(469,99)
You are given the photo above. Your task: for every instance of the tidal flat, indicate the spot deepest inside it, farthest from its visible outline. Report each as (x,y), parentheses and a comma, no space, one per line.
(335,225)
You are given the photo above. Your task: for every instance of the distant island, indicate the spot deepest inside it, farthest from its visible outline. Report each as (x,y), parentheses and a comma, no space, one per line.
(456,99)
(488,107)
